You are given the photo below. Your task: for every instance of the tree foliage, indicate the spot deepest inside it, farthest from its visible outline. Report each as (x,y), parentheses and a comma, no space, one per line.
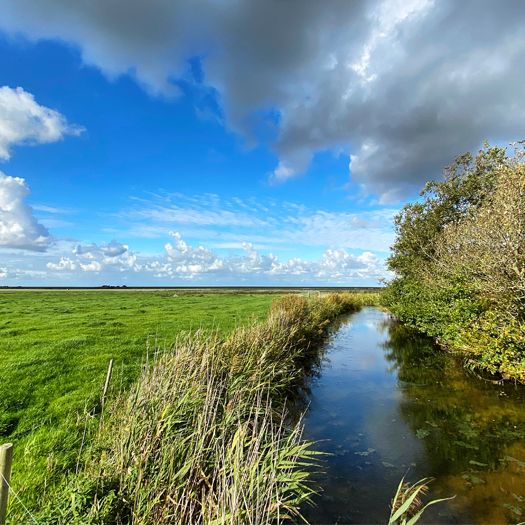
(459,260)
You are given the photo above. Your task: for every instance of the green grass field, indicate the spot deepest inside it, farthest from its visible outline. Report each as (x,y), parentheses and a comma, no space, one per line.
(54,351)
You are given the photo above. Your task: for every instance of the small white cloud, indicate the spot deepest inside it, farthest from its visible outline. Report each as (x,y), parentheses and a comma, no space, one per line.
(283,172)
(113,256)
(24,121)
(65,263)
(18,227)
(93,266)
(189,260)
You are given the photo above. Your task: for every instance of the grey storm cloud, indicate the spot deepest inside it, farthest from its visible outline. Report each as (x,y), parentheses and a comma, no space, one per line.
(400,86)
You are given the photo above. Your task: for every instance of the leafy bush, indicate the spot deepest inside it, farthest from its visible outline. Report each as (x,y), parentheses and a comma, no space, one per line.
(459,260)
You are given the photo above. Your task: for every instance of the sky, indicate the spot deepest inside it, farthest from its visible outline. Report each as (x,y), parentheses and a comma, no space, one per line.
(237,142)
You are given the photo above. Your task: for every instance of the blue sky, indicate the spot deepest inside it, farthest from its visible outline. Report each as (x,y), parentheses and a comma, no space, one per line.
(142,148)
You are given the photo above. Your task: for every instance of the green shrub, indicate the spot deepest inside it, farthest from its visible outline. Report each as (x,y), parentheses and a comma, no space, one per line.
(459,260)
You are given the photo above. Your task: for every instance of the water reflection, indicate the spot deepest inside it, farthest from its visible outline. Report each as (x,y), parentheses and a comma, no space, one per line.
(387,402)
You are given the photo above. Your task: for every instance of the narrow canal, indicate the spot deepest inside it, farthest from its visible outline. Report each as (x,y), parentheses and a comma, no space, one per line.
(386,403)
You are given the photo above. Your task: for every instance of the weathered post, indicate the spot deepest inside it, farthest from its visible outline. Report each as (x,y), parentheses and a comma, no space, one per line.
(6,461)
(106,384)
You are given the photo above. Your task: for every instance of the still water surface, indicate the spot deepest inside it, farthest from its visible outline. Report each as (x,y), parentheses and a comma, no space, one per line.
(386,403)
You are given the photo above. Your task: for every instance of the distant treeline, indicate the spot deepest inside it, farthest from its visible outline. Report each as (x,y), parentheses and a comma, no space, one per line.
(459,261)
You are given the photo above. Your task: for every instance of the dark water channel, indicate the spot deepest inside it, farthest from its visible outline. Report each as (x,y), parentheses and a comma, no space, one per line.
(387,403)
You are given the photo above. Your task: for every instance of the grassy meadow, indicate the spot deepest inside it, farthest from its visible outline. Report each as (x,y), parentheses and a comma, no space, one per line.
(54,352)
(205,434)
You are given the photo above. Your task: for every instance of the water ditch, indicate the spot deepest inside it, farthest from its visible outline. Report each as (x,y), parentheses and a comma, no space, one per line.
(386,403)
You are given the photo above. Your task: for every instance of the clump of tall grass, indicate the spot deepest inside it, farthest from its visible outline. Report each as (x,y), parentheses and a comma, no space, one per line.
(204,436)
(407,506)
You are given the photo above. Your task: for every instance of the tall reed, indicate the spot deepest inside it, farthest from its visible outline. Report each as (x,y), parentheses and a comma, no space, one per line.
(204,436)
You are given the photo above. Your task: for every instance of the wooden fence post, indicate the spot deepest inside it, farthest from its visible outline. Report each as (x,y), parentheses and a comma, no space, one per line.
(106,385)
(6,461)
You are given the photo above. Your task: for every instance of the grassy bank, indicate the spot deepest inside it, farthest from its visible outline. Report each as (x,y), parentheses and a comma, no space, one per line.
(203,435)
(54,352)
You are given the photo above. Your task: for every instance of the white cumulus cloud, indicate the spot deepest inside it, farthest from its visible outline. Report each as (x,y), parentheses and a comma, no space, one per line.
(93,266)
(65,263)
(185,259)
(18,226)
(24,121)
(336,265)
(182,263)
(111,257)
